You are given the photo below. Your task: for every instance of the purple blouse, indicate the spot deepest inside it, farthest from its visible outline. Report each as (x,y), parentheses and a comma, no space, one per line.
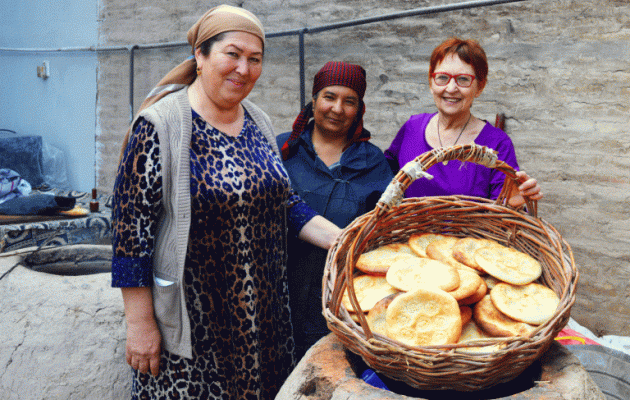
(456,178)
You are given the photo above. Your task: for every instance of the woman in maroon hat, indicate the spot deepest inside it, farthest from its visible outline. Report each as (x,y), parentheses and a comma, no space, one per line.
(337,172)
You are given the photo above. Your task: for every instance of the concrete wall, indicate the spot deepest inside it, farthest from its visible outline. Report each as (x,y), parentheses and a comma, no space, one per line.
(62,107)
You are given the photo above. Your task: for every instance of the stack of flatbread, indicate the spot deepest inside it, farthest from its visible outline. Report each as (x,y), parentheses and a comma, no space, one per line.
(439,289)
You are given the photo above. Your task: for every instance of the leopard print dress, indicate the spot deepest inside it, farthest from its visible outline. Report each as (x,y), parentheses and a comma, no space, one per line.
(235,276)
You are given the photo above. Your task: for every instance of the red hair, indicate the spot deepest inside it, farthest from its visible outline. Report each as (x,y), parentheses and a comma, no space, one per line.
(469,51)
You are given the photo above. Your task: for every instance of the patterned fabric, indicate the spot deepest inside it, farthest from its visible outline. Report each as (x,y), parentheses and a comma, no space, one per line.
(340,73)
(12,185)
(235,275)
(138,196)
(60,232)
(301,213)
(132,272)
(332,73)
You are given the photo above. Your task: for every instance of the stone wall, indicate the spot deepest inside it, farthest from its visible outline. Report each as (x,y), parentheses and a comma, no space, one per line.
(558,70)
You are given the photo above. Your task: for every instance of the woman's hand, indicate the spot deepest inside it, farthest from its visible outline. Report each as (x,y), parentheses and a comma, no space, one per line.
(320,232)
(143,346)
(144,342)
(528,188)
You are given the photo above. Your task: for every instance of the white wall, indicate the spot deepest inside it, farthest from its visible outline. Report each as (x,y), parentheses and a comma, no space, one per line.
(60,108)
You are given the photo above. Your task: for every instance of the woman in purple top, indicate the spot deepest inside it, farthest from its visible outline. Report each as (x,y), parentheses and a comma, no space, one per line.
(458,73)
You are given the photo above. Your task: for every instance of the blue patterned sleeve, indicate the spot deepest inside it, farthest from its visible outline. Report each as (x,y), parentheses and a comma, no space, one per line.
(136,204)
(299,213)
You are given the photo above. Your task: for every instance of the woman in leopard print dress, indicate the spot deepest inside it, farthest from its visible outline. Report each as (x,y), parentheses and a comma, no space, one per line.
(201,209)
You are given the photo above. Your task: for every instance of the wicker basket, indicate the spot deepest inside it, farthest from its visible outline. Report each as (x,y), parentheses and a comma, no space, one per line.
(443,367)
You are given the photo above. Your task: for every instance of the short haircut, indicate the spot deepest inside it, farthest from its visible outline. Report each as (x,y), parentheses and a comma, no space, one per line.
(469,51)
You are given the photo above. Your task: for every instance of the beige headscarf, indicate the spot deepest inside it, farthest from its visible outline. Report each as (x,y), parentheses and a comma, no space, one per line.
(223,18)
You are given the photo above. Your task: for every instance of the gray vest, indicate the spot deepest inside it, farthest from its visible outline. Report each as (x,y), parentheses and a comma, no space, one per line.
(171,117)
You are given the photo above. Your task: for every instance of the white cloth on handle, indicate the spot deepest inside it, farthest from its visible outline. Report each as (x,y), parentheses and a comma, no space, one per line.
(393,195)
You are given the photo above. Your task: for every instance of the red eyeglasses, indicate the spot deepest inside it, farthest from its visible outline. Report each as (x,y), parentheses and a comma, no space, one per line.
(443,78)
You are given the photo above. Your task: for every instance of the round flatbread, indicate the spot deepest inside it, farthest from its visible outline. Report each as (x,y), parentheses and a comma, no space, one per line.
(464,250)
(377,261)
(424,317)
(376,318)
(369,289)
(466,314)
(495,323)
(482,290)
(469,282)
(77,211)
(532,303)
(410,273)
(508,264)
(470,332)
(442,250)
(419,242)
(490,281)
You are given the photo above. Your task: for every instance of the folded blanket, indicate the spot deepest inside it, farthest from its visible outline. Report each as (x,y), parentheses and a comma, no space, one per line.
(12,185)
(37,204)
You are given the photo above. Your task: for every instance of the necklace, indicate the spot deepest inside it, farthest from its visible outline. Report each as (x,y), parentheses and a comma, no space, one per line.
(458,136)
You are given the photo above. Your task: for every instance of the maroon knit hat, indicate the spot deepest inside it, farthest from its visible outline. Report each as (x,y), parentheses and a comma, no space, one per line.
(342,74)
(331,74)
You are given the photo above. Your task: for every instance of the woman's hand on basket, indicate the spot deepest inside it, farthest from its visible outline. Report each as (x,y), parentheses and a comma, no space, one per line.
(320,232)
(529,188)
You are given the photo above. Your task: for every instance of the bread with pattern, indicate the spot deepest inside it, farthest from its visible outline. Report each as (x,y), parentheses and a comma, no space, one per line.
(532,303)
(508,264)
(424,317)
(410,273)
(369,289)
(469,283)
(464,250)
(378,261)
(495,323)
(419,242)
(442,250)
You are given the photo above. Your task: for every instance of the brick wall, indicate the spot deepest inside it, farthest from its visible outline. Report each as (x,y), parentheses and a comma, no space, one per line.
(559,71)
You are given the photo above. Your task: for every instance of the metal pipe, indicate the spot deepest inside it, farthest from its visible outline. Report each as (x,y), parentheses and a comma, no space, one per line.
(411,13)
(99,49)
(302,70)
(131,79)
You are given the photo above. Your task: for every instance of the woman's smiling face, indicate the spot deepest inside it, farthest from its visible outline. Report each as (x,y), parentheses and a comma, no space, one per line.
(451,99)
(335,109)
(232,68)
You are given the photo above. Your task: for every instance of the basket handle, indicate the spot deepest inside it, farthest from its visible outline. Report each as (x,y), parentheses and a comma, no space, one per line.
(477,154)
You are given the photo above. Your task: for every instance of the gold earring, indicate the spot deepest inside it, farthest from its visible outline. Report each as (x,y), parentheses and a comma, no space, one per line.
(198,71)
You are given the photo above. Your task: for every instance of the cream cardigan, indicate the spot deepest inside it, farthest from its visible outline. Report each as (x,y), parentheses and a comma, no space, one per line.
(172,119)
